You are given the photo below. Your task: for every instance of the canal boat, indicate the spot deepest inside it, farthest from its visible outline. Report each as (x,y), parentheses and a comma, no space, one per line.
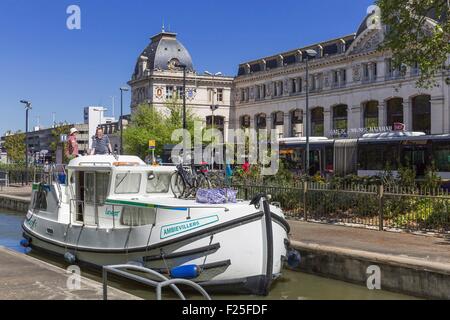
(107,210)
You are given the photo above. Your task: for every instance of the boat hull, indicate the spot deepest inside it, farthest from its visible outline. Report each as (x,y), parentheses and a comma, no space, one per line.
(236,255)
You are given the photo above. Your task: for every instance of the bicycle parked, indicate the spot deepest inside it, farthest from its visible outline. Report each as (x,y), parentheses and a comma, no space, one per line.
(185,184)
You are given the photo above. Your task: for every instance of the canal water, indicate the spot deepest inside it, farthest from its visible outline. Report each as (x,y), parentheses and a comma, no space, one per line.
(291,286)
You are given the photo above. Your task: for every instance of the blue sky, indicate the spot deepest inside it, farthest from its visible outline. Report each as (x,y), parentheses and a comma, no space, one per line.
(63,70)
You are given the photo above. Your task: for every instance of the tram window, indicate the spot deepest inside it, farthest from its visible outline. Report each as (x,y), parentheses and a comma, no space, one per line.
(132,216)
(329,159)
(441,156)
(390,156)
(127,183)
(370,157)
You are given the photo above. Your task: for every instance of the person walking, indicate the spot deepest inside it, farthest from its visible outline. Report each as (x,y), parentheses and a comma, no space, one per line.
(100,143)
(72,144)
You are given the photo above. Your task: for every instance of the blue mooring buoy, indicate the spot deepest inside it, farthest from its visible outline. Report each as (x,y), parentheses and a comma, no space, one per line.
(293,258)
(69,257)
(190,271)
(24,243)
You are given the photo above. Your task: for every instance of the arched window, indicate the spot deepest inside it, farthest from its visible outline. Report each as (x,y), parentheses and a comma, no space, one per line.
(218,122)
(394,111)
(340,117)
(421,113)
(296,123)
(317,127)
(261,121)
(245,121)
(278,118)
(278,122)
(371,114)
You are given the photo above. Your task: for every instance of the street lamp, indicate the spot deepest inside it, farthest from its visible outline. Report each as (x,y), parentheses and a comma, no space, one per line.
(213,108)
(27,110)
(122,89)
(309,53)
(183,66)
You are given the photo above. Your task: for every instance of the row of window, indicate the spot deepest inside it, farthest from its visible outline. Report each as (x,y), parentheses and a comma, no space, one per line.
(317,81)
(421,116)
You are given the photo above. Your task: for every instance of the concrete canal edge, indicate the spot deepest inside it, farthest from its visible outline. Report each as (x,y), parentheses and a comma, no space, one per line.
(412,276)
(14,203)
(26,278)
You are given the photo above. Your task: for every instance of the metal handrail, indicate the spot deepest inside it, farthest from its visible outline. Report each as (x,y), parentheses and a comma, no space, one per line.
(115,269)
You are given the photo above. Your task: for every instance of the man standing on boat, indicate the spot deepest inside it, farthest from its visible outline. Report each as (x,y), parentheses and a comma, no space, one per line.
(72,144)
(100,143)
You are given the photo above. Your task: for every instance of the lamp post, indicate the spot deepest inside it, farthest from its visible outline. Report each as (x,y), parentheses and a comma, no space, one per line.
(122,89)
(213,107)
(183,66)
(309,53)
(27,110)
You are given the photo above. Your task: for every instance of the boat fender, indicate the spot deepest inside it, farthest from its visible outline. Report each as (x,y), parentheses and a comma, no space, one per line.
(189,271)
(293,258)
(69,257)
(24,243)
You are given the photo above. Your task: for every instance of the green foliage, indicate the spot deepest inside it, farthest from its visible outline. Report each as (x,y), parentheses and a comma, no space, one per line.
(56,140)
(149,123)
(15,147)
(409,39)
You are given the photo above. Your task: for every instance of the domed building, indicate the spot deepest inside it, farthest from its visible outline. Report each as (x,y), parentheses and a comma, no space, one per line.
(158,80)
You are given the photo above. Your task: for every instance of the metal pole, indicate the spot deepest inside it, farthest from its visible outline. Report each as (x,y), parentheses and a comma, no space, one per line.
(26,145)
(121,121)
(212,124)
(184,114)
(307,118)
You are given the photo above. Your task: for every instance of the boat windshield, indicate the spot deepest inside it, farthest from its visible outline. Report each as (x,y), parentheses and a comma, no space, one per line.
(158,182)
(127,183)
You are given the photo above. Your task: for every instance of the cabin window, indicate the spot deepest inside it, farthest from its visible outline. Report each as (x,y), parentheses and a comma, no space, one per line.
(158,182)
(95,185)
(127,183)
(133,216)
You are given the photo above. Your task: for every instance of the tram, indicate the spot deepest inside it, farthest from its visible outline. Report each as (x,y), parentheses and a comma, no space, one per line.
(371,154)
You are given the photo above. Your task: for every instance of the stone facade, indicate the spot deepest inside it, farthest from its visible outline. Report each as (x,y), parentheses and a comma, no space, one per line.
(352,87)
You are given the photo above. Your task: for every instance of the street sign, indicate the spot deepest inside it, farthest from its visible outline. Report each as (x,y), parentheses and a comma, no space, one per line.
(151,144)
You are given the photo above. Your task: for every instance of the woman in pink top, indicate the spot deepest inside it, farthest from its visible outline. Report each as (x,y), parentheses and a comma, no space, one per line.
(72,144)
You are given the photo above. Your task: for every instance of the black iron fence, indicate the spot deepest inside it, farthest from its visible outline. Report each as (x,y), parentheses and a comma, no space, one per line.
(21,176)
(385,208)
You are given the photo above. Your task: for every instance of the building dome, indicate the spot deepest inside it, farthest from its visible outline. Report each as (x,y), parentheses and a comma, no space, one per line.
(163,53)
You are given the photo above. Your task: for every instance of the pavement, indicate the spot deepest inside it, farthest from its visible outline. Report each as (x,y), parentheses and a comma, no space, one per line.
(19,192)
(424,250)
(26,278)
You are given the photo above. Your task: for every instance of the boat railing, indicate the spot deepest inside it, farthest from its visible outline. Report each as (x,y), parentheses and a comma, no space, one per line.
(123,270)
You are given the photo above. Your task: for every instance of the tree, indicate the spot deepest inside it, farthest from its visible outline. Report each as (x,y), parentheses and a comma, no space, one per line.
(56,139)
(411,41)
(15,147)
(149,123)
